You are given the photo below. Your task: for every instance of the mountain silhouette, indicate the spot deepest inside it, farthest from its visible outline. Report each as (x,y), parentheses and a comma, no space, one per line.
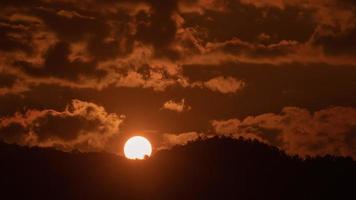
(215,168)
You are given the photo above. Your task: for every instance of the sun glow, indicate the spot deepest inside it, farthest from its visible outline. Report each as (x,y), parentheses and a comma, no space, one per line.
(137,147)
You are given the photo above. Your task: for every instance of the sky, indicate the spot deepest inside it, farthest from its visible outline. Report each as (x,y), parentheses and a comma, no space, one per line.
(88,74)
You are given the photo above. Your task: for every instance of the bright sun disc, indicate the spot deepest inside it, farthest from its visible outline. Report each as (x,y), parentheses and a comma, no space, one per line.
(137,147)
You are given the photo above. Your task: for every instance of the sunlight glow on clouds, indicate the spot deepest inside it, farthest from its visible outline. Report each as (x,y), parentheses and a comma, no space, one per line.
(161,62)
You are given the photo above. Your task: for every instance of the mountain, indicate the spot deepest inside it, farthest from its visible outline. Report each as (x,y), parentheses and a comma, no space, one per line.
(215,168)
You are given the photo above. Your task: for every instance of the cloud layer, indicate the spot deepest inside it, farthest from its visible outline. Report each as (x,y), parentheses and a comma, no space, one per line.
(240,60)
(298,131)
(82,125)
(145,43)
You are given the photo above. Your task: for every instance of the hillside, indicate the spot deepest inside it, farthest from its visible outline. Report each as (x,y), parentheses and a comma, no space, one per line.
(216,168)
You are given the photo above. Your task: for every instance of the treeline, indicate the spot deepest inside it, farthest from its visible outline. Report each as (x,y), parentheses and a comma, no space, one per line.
(215,168)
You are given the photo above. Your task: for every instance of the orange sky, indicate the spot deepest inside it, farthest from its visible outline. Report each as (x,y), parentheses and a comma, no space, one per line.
(88,74)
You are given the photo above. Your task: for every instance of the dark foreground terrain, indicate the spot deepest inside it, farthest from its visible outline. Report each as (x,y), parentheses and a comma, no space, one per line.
(217,168)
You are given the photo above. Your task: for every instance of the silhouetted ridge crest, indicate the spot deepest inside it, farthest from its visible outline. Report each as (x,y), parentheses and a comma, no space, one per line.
(213,168)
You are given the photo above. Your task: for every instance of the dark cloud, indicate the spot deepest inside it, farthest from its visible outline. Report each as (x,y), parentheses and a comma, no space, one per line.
(57,64)
(9,84)
(298,131)
(337,44)
(227,59)
(71,41)
(71,28)
(313,86)
(12,133)
(81,125)
(7,80)
(9,40)
(249,22)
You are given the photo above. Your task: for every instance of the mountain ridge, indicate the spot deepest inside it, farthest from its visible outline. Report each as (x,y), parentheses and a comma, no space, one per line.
(214,168)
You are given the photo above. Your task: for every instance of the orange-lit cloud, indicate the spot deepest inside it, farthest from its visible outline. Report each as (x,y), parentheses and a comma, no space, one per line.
(169,139)
(250,56)
(179,106)
(81,125)
(299,131)
(82,47)
(224,84)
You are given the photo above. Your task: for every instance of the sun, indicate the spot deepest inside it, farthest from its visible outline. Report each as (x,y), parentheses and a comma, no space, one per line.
(137,147)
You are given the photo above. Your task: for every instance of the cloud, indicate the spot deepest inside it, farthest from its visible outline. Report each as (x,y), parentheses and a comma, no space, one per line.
(160,23)
(224,85)
(9,84)
(169,139)
(263,3)
(176,106)
(98,44)
(298,131)
(153,79)
(318,32)
(71,14)
(202,6)
(81,125)
(226,127)
(331,16)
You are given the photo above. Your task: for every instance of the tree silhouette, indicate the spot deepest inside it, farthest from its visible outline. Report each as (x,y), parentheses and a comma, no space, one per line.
(215,168)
